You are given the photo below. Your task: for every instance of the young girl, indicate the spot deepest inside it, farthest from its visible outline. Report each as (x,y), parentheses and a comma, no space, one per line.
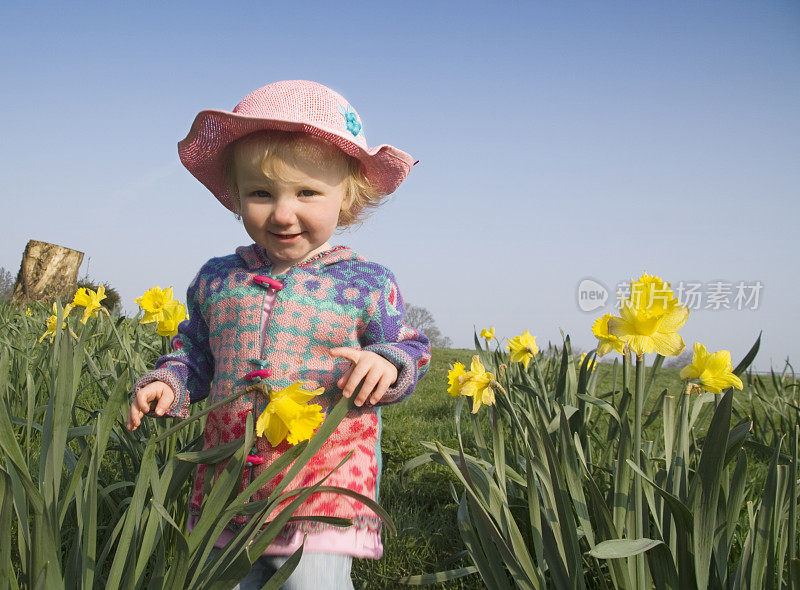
(291,160)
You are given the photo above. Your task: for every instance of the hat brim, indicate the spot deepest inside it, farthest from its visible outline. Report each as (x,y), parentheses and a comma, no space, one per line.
(201,151)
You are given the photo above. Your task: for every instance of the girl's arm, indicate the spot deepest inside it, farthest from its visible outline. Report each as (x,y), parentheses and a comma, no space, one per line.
(189,369)
(406,348)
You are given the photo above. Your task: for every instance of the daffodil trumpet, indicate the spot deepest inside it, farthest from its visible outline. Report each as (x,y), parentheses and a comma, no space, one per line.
(288,416)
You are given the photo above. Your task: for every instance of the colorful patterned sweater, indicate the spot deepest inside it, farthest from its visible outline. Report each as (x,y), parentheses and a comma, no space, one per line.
(236,325)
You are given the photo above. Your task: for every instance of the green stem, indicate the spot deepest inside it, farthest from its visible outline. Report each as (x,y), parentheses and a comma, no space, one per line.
(793,501)
(637,453)
(125,349)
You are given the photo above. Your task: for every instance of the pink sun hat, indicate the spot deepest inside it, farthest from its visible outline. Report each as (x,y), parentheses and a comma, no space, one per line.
(291,105)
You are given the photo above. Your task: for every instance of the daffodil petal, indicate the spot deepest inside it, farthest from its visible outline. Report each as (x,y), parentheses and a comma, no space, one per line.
(620,327)
(262,423)
(276,431)
(640,345)
(700,354)
(689,372)
(668,344)
(476,403)
(719,362)
(674,320)
(603,348)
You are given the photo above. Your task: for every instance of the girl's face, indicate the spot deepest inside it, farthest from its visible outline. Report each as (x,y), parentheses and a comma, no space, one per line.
(292,214)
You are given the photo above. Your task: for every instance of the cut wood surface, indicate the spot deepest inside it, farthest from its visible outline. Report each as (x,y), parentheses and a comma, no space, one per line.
(47,271)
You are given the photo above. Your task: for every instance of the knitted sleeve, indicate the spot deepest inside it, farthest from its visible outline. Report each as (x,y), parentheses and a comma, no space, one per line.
(189,369)
(389,336)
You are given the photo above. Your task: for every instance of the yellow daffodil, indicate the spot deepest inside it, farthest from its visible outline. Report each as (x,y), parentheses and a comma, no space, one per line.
(28,311)
(289,416)
(606,342)
(651,318)
(715,371)
(488,334)
(478,384)
(522,348)
(592,364)
(90,300)
(52,321)
(454,379)
(172,314)
(154,302)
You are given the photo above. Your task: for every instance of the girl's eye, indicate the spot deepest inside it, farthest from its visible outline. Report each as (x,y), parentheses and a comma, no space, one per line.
(260,194)
(307,193)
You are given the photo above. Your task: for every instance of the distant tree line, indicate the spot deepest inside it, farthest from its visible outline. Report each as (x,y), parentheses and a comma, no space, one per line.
(422,320)
(7,281)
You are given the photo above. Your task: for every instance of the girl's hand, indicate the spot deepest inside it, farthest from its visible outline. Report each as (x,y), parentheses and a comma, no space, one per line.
(378,374)
(155,391)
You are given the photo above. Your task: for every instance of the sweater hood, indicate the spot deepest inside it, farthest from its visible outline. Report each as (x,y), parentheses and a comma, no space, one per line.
(255,257)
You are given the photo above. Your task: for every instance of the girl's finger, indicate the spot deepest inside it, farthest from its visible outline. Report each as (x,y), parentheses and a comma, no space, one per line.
(351,354)
(383,386)
(368,386)
(164,402)
(143,399)
(357,375)
(345,376)
(133,418)
(160,407)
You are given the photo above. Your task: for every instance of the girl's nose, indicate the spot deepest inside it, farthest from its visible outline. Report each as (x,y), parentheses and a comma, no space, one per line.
(283,213)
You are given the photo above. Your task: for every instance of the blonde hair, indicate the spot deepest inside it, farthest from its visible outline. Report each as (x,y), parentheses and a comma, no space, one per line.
(277,150)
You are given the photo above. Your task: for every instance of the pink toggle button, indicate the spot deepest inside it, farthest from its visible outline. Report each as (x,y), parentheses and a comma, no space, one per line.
(268,282)
(255,459)
(262,373)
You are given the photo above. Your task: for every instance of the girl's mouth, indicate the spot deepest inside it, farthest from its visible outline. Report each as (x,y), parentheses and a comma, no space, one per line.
(285,237)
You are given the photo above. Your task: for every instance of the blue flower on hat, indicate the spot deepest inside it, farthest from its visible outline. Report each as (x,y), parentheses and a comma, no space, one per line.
(351,121)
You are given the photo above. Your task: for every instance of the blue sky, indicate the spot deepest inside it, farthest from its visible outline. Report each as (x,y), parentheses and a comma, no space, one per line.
(557,142)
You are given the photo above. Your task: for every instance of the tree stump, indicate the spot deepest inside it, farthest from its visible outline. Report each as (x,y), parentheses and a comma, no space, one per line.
(47,271)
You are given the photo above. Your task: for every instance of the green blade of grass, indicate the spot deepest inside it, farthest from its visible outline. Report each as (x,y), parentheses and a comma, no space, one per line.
(282,574)
(748,358)
(483,554)
(620,548)
(435,578)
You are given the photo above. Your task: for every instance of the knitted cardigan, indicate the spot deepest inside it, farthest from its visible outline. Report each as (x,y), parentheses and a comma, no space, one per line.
(236,325)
